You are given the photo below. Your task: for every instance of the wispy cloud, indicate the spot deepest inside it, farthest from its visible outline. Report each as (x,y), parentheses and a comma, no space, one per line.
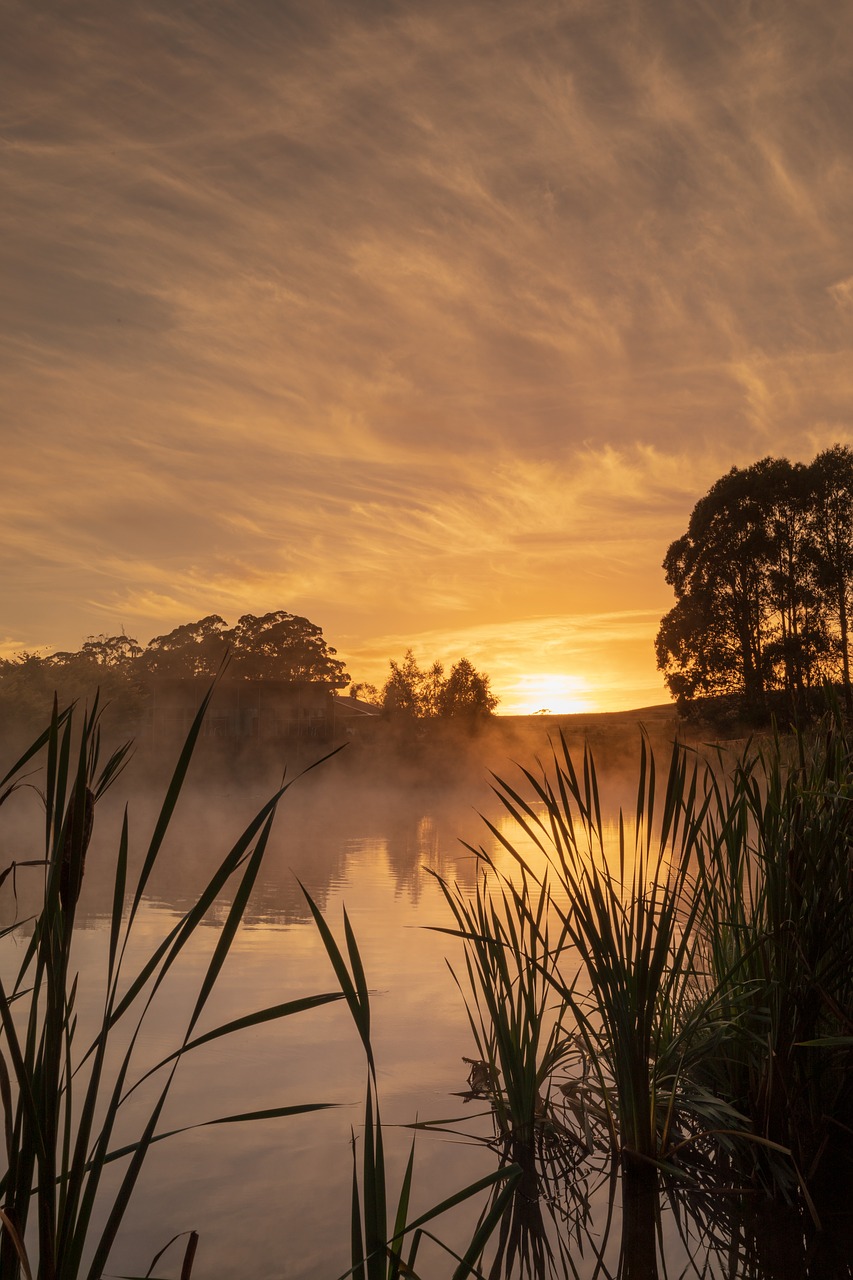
(406,316)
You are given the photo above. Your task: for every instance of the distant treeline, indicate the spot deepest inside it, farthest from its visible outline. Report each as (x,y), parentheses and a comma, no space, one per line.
(278,646)
(763,580)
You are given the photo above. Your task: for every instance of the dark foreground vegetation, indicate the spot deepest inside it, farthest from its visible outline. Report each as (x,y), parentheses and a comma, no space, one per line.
(679,1002)
(667,1012)
(63,1101)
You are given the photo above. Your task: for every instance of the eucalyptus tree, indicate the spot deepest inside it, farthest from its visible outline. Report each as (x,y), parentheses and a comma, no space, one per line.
(111,651)
(764,551)
(279,645)
(796,634)
(194,649)
(696,650)
(831,478)
(719,572)
(120,651)
(284,646)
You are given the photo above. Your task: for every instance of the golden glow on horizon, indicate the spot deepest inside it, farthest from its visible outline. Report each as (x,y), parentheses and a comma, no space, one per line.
(566,664)
(428,323)
(554,693)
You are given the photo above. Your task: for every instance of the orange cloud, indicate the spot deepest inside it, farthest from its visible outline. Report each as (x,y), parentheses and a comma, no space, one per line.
(414,321)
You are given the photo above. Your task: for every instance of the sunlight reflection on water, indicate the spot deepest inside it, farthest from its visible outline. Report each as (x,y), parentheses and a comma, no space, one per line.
(272,1199)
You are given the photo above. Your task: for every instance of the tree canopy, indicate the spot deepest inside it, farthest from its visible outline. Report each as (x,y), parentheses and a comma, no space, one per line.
(428,694)
(763,579)
(195,649)
(283,646)
(279,645)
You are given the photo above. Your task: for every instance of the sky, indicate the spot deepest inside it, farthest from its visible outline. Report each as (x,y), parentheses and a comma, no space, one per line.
(428,321)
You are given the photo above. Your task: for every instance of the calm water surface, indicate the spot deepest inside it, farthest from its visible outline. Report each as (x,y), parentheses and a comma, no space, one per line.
(272,1199)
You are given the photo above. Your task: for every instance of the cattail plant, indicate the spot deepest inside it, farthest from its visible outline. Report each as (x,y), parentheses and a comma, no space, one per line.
(62,1100)
(380,1250)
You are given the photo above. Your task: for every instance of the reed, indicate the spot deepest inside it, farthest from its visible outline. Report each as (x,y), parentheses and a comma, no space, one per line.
(380,1250)
(776,893)
(62,1100)
(631,921)
(517,1025)
(704,956)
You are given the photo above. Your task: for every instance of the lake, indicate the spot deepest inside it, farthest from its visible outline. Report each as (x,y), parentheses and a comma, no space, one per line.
(272,1198)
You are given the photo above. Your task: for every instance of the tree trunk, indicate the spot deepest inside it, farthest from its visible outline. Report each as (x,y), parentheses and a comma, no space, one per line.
(845,649)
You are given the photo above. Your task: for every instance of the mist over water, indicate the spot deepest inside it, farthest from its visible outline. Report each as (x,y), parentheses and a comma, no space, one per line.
(362,830)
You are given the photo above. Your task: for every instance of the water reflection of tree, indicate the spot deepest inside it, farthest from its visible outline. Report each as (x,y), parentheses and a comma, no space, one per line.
(364,803)
(327,832)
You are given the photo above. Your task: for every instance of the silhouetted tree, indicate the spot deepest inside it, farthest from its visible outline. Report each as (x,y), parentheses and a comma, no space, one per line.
(695,650)
(195,649)
(831,476)
(423,695)
(101,651)
(278,645)
(762,580)
(283,646)
(403,693)
(29,682)
(466,693)
(112,651)
(719,568)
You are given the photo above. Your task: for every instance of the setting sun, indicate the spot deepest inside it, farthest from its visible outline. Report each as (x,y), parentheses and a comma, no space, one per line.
(549,693)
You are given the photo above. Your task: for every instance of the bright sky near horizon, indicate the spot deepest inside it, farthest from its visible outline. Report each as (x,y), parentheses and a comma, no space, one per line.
(428,320)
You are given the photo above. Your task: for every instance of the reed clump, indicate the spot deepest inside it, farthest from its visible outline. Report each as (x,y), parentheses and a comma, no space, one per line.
(700,962)
(64,1102)
(776,891)
(382,1249)
(520,1040)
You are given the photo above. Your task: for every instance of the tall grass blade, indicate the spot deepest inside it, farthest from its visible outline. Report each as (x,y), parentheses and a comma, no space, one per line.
(59,1125)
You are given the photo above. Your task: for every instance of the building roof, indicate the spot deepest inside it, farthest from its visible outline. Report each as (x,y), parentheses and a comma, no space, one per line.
(355,706)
